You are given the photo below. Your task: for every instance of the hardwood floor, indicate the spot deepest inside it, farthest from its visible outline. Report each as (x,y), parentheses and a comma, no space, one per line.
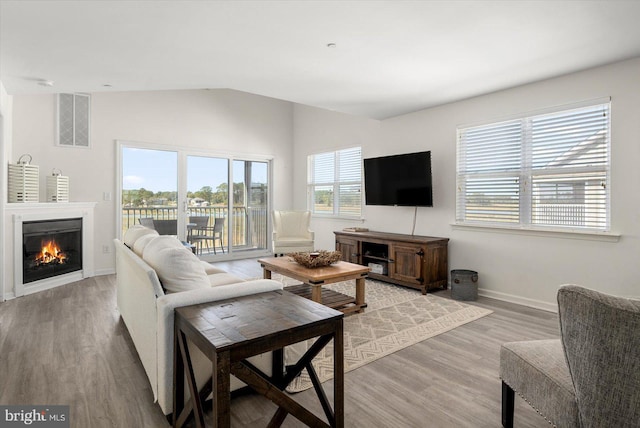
(68,346)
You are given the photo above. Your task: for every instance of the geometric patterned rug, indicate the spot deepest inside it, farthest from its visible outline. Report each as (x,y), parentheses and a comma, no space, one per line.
(395,317)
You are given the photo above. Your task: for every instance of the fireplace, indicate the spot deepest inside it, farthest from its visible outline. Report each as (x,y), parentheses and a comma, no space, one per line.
(51,248)
(73,252)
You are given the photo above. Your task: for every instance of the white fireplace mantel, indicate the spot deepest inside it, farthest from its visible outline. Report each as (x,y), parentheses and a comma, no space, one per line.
(20,213)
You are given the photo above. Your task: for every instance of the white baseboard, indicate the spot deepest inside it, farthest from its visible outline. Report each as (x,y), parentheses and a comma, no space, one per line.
(9,295)
(107,271)
(524,301)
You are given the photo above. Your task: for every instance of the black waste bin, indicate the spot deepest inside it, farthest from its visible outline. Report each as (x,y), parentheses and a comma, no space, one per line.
(464,284)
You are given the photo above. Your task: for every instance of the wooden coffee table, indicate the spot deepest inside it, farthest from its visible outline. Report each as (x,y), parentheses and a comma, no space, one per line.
(314,278)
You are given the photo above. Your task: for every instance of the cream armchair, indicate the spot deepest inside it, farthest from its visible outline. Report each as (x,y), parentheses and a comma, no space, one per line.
(291,232)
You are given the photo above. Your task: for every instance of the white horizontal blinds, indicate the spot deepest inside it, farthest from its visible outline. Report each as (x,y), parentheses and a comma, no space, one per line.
(335,181)
(322,199)
(324,168)
(349,182)
(544,170)
(570,168)
(492,199)
(489,164)
(322,182)
(492,148)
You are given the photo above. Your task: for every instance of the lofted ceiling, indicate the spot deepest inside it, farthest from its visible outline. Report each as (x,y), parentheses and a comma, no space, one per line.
(389,58)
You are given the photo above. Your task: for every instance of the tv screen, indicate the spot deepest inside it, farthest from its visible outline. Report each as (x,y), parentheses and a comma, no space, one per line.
(403,180)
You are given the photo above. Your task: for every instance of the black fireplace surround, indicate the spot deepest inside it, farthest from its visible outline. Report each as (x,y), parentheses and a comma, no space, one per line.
(51,248)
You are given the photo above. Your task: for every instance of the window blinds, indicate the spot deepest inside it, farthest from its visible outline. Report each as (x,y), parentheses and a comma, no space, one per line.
(550,169)
(335,180)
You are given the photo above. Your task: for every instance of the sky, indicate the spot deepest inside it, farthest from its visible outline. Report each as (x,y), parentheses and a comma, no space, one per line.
(157,170)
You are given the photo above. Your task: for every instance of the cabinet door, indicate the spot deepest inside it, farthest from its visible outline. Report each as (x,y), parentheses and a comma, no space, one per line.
(349,249)
(407,263)
(436,266)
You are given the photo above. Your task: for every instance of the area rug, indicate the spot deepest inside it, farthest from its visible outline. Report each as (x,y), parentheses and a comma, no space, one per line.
(395,317)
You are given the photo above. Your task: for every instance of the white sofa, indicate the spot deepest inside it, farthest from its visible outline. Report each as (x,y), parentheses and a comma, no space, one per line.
(148,312)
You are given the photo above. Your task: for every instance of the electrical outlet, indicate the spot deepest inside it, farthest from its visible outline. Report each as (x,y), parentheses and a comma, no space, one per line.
(106,249)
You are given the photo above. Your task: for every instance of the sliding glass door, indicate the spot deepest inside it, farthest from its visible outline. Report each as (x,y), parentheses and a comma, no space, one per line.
(149,188)
(208,204)
(250,204)
(219,205)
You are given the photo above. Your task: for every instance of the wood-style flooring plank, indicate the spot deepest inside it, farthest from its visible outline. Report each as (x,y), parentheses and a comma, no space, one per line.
(68,345)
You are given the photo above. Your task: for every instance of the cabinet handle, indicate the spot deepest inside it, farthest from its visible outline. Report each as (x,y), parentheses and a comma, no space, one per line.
(391,261)
(420,253)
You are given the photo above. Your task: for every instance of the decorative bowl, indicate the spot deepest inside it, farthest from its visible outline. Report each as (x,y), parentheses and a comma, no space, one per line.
(316,259)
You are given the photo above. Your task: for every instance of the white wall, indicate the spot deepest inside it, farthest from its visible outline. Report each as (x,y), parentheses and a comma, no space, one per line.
(6,115)
(317,131)
(225,121)
(523,268)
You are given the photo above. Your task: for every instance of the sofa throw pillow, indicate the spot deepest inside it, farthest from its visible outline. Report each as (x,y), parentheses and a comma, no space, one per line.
(135,232)
(141,243)
(161,241)
(178,268)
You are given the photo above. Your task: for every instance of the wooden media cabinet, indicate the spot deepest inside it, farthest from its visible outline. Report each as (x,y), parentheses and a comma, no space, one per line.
(413,261)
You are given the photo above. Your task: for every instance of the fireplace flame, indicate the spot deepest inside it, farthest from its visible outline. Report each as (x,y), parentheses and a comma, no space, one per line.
(49,254)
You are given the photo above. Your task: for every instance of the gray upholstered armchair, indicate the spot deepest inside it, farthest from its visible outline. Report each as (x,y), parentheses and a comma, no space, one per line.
(588,378)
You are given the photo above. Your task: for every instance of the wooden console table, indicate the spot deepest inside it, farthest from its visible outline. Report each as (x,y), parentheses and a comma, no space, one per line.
(410,260)
(230,331)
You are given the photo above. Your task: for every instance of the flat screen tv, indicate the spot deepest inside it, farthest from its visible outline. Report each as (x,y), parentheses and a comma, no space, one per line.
(401,180)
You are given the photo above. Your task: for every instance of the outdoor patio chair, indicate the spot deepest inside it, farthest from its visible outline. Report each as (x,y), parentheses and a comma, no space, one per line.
(590,377)
(200,234)
(147,222)
(166,227)
(163,227)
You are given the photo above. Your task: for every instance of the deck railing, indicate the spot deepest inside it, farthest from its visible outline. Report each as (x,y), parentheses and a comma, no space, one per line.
(249,224)
(559,214)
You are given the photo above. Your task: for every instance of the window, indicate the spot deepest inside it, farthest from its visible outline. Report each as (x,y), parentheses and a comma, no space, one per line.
(546,170)
(73,120)
(335,182)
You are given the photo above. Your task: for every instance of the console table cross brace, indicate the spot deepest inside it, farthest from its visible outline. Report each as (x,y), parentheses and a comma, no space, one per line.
(227,342)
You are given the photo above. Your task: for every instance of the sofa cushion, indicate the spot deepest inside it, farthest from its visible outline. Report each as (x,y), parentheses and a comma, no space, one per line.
(141,242)
(223,279)
(135,232)
(537,370)
(178,268)
(209,269)
(294,242)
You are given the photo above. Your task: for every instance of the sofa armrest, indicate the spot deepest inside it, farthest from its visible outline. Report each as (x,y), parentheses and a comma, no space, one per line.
(165,307)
